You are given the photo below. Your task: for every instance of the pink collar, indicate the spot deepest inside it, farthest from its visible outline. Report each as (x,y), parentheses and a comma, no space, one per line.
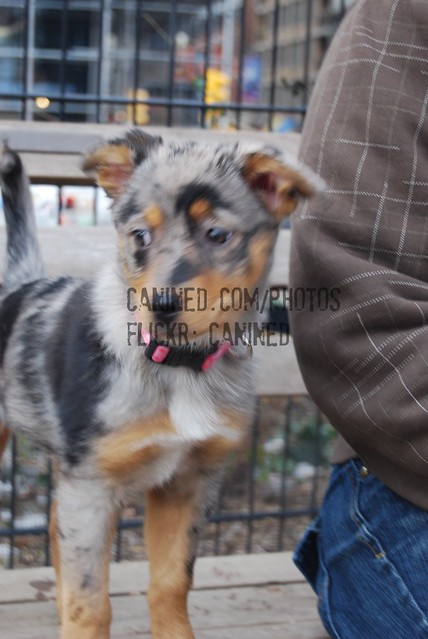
(197,358)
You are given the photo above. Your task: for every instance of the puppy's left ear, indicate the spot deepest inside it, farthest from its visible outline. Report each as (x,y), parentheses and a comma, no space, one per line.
(112,164)
(279,185)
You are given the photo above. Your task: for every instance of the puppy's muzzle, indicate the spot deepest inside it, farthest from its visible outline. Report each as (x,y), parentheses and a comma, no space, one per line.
(166,306)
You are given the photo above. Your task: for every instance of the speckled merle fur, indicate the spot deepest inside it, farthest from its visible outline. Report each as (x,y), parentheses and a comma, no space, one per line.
(69,378)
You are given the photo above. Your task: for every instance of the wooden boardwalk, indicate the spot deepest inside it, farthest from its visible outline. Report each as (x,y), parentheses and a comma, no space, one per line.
(238,597)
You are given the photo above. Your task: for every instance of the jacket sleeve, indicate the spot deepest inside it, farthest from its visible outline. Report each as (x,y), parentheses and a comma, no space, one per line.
(359,257)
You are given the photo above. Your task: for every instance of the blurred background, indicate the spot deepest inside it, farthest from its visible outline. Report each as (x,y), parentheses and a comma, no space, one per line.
(223,64)
(163,63)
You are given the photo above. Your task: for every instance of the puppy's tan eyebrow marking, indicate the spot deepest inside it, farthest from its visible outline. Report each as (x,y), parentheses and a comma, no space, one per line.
(154,217)
(200,209)
(195,191)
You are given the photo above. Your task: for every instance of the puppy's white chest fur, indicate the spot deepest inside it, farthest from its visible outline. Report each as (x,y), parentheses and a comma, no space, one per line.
(151,446)
(196,412)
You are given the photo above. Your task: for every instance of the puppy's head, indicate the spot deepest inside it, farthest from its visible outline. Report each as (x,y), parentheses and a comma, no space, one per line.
(196,224)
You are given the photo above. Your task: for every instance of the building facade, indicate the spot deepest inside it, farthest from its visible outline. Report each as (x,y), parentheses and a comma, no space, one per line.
(87,60)
(293,38)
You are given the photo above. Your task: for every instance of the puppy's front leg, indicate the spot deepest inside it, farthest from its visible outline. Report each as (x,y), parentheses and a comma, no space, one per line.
(174,513)
(86,517)
(172,516)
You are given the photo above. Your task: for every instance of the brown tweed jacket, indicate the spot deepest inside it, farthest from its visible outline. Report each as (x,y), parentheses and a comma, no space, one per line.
(364,358)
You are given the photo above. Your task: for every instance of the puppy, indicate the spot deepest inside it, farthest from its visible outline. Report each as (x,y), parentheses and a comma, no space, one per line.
(126,378)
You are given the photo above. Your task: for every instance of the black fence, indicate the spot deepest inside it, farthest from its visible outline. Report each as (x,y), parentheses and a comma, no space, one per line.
(270,491)
(246,63)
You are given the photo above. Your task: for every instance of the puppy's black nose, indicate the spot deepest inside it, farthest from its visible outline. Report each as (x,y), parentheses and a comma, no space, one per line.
(166,306)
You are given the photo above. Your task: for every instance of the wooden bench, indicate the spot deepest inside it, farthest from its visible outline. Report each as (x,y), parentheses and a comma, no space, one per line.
(254,596)
(52,152)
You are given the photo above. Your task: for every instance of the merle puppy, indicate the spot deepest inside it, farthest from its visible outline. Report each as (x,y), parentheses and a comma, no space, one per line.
(121,406)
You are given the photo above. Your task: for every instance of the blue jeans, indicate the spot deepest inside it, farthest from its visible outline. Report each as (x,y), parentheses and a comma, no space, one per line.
(366,557)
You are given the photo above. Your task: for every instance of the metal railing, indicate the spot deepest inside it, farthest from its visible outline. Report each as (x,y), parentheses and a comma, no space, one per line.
(270,491)
(143,62)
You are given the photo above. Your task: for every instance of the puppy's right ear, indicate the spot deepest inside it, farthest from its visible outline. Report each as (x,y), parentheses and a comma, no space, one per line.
(112,164)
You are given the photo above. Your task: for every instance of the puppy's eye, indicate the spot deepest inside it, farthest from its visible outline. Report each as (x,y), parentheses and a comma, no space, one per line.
(218,235)
(143,238)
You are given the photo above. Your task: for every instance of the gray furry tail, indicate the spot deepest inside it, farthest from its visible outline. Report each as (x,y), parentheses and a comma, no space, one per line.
(23,261)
